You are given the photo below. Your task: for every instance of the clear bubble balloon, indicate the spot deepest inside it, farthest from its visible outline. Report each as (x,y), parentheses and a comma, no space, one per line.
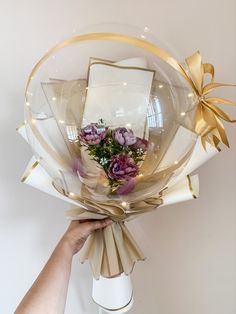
(109,117)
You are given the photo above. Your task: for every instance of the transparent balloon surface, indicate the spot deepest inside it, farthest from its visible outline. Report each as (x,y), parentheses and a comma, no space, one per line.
(109,119)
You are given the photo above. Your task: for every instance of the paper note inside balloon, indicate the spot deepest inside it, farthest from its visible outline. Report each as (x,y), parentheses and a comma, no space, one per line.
(116,91)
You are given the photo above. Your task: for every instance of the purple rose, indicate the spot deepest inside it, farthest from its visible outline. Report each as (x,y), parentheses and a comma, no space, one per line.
(141,143)
(122,167)
(124,136)
(93,134)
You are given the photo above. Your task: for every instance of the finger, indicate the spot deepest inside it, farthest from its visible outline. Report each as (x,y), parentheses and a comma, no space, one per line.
(85,220)
(99,224)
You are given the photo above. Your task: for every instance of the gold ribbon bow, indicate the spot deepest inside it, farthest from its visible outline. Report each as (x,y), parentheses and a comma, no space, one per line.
(208,116)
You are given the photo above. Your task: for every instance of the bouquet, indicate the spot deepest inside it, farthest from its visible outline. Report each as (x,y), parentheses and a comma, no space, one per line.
(119,135)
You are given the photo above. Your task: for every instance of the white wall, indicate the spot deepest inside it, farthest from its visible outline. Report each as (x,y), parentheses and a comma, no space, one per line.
(191,247)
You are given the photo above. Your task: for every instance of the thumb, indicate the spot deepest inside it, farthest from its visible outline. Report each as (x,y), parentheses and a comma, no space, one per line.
(98,224)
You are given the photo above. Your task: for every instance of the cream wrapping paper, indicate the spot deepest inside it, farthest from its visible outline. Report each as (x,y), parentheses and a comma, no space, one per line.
(49,129)
(112,251)
(197,159)
(186,189)
(37,177)
(113,295)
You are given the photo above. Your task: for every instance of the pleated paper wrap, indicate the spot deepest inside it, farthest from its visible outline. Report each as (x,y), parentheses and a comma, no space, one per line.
(113,251)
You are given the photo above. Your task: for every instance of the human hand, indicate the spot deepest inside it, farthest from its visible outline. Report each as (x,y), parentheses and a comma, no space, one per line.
(78,232)
(49,291)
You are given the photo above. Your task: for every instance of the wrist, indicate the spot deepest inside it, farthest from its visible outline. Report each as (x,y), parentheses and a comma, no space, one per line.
(65,248)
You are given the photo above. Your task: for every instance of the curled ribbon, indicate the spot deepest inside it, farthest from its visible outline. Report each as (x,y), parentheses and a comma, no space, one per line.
(209,117)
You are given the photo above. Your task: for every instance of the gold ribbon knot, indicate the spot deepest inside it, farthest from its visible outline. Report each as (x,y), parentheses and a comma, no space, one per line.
(209,116)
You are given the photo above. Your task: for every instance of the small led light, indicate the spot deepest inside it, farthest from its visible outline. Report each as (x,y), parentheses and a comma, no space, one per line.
(61,121)
(146,29)
(160,86)
(140,175)
(183,114)
(72,194)
(86,88)
(31,78)
(33,121)
(176,162)
(124,204)
(27,104)
(142,36)
(128,125)
(54,98)
(124,83)
(190,95)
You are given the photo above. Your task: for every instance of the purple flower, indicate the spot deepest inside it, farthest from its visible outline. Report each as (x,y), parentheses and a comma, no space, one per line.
(122,167)
(141,144)
(93,134)
(124,136)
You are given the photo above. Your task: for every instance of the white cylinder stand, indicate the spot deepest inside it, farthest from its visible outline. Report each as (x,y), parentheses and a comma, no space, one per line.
(113,295)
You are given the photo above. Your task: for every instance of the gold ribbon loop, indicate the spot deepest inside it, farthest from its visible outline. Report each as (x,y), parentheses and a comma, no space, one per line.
(208,116)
